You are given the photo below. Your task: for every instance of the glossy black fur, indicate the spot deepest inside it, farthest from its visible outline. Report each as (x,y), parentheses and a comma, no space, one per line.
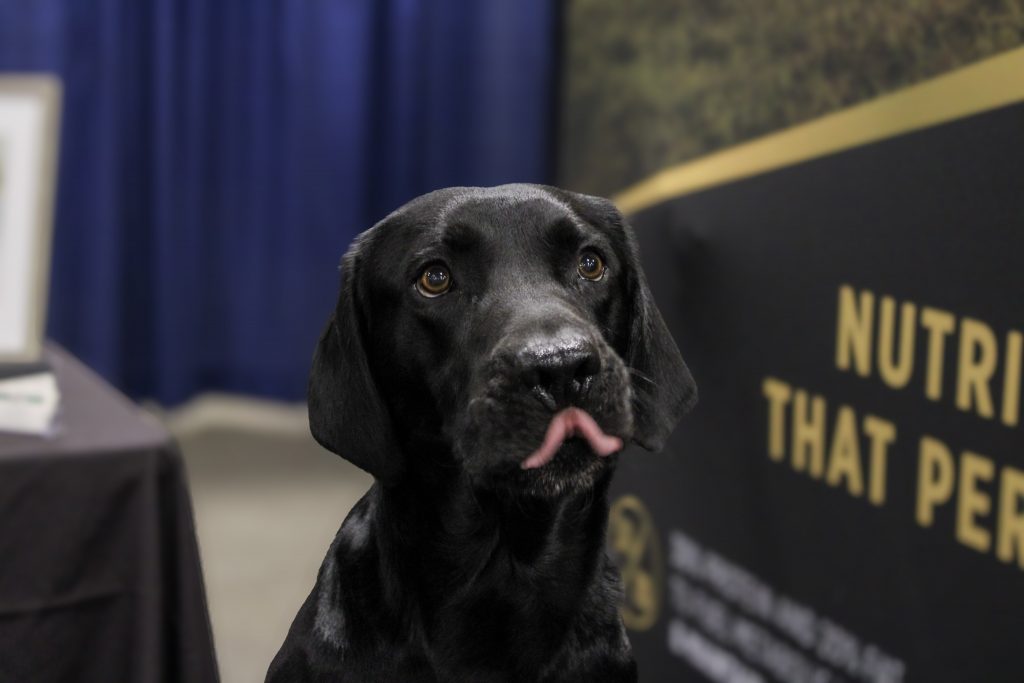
(458,565)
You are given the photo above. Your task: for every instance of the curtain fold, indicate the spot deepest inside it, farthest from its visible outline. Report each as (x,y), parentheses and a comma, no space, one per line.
(217,158)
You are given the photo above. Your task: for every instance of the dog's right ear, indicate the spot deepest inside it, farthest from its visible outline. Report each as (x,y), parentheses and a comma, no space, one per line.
(346,413)
(663,388)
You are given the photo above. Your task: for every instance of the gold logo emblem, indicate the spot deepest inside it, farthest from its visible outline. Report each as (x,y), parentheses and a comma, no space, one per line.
(636,549)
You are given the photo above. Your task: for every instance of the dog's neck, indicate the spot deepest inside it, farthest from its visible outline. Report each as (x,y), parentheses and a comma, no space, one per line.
(454,542)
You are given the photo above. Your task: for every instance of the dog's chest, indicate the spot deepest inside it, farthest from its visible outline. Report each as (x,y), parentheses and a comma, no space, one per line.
(504,623)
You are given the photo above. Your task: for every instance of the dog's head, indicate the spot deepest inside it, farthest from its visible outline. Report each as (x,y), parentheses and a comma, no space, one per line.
(506,334)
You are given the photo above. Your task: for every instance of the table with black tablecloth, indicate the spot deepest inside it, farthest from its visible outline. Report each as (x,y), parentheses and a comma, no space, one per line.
(99,567)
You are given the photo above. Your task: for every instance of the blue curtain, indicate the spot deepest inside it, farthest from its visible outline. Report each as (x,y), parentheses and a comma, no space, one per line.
(218,156)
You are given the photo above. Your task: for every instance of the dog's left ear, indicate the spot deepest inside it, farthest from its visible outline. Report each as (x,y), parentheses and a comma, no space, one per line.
(663,388)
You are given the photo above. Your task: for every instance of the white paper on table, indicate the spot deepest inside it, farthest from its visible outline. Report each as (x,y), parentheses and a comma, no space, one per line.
(29,403)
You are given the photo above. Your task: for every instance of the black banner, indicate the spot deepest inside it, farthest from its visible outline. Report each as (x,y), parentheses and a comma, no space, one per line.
(846,503)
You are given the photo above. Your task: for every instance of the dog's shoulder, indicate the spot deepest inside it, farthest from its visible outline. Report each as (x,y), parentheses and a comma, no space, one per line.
(341,633)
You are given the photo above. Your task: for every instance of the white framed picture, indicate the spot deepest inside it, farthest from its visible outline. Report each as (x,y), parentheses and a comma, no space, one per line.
(29,127)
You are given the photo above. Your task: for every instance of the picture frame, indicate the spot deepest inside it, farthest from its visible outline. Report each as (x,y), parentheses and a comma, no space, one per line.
(29,130)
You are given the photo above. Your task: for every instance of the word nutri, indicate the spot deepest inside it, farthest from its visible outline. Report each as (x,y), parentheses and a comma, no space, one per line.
(866,341)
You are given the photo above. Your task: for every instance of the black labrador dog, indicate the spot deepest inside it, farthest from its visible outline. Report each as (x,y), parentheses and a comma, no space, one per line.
(491,350)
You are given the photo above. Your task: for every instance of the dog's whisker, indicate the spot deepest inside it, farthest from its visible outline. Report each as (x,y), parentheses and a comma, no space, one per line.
(639,375)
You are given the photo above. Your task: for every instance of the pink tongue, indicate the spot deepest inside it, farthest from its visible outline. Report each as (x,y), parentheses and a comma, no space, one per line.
(568,423)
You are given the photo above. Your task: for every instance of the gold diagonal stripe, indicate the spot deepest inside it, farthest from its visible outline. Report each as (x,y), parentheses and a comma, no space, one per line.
(982,86)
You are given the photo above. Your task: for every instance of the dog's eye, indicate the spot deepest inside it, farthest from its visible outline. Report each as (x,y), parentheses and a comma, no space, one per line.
(590,267)
(434,281)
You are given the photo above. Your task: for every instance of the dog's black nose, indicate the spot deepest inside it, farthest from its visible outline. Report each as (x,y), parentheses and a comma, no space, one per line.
(558,371)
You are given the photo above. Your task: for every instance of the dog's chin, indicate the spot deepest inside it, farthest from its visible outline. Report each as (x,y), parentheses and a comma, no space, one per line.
(574,469)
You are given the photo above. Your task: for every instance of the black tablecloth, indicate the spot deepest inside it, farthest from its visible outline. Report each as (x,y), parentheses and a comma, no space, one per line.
(99,567)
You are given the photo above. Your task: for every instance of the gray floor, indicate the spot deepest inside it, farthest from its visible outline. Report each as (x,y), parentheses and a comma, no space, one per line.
(267,504)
